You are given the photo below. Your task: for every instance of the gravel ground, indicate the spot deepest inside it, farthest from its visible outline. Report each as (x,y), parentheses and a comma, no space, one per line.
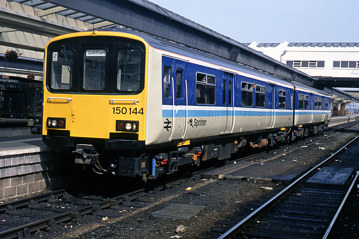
(222,199)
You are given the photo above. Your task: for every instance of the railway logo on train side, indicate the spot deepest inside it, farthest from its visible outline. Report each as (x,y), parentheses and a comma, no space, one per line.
(194,123)
(167,124)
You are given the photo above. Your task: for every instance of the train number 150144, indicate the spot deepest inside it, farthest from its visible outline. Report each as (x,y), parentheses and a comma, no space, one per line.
(125,110)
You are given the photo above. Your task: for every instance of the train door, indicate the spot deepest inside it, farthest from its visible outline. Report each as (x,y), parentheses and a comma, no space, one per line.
(175,97)
(271,105)
(311,107)
(228,101)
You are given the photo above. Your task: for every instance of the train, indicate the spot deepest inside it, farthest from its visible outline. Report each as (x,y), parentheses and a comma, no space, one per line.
(135,105)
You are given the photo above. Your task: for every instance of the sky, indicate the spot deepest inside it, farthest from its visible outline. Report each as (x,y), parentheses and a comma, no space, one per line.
(265,21)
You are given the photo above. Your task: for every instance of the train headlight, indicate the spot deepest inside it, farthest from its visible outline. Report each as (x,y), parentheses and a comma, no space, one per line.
(57,123)
(54,123)
(129,126)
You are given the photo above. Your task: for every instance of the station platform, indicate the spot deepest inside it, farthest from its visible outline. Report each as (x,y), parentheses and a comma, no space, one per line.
(28,166)
(21,145)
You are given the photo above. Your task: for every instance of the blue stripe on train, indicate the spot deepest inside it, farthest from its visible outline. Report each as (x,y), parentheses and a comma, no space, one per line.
(219,113)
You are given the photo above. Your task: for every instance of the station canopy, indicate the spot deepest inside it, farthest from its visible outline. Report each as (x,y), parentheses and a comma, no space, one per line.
(27,25)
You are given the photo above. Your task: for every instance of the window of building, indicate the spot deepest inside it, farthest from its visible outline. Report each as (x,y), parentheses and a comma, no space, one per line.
(305,64)
(282,98)
(346,64)
(247,94)
(297,63)
(260,96)
(352,64)
(312,64)
(167,82)
(205,89)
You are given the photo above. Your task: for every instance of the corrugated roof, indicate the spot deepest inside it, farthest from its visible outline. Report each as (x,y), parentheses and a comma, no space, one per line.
(323,44)
(268,44)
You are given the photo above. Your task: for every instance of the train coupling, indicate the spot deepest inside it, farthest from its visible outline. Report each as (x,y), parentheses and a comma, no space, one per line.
(86,154)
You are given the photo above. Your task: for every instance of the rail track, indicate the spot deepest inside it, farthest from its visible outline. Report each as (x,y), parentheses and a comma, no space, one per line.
(304,208)
(24,217)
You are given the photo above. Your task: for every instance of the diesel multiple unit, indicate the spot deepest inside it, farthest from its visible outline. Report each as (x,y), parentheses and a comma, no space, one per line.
(134,105)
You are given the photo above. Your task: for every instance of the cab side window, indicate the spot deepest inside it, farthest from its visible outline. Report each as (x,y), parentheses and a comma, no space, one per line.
(166,82)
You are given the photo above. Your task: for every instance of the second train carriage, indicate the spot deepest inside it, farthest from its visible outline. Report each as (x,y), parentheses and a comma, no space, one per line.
(134,105)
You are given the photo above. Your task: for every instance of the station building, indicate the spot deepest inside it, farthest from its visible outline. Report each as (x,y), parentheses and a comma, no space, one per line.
(331,64)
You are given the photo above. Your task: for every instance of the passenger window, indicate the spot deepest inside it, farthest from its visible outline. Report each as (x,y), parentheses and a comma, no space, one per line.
(282,98)
(301,101)
(230,92)
(320,103)
(179,83)
(327,104)
(167,82)
(260,96)
(94,70)
(306,102)
(224,92)
(317,103)
(205,89)
(247,94)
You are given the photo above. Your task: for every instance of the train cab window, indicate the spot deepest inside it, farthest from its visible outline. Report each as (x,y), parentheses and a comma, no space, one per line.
(179,83)
(94,70)
(282,98)
(301,101)
(306,102)
(260,96)
(247,94)
(167,82)
(205,89)
(61,69)
(129,69)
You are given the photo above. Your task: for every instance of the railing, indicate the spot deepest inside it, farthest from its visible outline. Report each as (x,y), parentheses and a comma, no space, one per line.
(21,100)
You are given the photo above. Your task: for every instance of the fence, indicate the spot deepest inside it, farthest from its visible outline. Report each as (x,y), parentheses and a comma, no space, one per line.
(21,100)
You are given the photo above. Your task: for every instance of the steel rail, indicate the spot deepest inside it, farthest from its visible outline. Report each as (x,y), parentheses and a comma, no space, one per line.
(27,201)
(281,193)
(330,227)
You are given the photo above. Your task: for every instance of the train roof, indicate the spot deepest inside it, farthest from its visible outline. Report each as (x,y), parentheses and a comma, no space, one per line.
(308,89)
(186,51)
(180,49)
